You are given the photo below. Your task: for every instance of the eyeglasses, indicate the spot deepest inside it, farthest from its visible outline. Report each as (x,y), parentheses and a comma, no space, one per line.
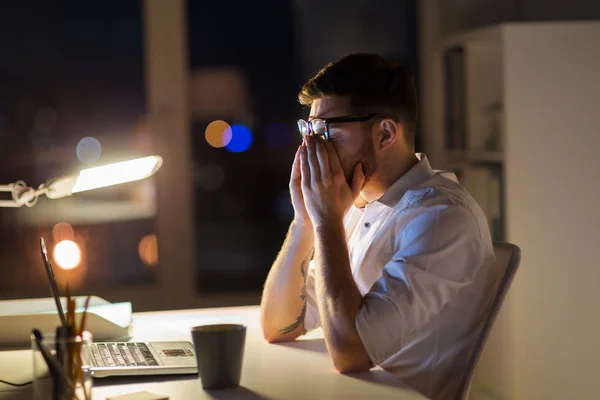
(319,127)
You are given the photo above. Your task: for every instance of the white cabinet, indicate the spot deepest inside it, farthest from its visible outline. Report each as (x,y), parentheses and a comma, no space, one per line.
(532,115)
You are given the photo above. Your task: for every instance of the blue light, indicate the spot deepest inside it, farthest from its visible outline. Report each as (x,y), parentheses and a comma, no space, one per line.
(241,139)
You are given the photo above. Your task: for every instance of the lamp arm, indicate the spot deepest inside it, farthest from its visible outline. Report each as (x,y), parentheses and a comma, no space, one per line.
(21,194)
(87,179)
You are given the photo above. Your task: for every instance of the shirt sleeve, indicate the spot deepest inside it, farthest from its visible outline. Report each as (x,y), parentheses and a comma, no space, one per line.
(437,253)
(312,319)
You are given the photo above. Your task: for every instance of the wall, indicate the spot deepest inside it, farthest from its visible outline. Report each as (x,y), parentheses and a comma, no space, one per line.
(380,26)
(552,92)
(461,15)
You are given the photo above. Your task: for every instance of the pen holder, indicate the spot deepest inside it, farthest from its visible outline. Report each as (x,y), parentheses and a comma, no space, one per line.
(74,379)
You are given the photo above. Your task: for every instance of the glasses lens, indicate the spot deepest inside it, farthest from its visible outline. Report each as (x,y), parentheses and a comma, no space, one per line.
(318,127)
(303,127)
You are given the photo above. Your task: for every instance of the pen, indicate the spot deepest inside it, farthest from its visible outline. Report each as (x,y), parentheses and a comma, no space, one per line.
(69,366)
(53,365)
(53,287)
(62,343)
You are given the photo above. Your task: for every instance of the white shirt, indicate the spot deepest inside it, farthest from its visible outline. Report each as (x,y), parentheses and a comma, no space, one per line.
(422,257)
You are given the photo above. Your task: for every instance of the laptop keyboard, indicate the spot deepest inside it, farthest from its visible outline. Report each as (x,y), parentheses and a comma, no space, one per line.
(122,355)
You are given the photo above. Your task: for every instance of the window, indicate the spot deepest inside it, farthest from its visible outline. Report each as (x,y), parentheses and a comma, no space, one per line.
(210,87)
(73,97)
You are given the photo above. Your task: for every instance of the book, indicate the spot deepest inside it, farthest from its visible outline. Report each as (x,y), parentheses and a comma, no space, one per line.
(105,321)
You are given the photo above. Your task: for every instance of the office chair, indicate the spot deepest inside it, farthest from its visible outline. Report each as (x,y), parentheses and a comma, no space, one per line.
(508,257)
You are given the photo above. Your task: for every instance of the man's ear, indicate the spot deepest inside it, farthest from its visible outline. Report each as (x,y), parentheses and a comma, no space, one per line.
(388,131)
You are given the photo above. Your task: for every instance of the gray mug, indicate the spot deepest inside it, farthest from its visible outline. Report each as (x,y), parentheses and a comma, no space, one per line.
(219,353)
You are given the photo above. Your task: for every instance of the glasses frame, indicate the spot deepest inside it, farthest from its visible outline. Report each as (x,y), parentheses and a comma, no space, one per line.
(333,120)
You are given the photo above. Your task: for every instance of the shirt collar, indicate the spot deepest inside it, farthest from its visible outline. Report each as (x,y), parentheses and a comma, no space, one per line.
(418,174)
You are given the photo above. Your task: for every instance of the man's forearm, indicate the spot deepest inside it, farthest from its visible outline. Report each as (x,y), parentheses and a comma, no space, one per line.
(283,304)
(338,299)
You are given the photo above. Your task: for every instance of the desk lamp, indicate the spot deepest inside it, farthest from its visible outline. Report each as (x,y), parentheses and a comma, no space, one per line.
(87,179)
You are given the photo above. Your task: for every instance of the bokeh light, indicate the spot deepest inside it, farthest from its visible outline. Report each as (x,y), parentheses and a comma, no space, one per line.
(143,141)
(279,135)
(241,139)
(148,250)
(210,177)
(218,133)
(67,254)
(89,150)
(62,231)
(142,135)
(45,120)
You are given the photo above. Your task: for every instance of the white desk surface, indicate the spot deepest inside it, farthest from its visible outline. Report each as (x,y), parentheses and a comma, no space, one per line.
(296,370)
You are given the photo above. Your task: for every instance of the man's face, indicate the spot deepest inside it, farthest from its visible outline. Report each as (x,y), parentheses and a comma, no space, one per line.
(351,140)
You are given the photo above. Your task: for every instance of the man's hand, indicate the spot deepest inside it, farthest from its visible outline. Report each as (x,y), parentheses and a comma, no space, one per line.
(300,214)
(283,304)
(327,195)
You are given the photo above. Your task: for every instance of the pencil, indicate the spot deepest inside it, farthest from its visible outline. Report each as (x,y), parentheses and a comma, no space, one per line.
(82,323)
(79,371)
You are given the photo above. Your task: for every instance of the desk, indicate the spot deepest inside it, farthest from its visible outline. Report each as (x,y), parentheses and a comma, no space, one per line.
(296,370)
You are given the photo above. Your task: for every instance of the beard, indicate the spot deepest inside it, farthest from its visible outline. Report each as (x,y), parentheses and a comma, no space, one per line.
(366,157)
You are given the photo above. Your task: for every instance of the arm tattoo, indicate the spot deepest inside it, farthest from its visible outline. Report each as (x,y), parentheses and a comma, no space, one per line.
(300,320)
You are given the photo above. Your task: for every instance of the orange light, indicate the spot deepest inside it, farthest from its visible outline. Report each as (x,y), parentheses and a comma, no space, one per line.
(62,231)
(218,133)
(148,250)
(67,254)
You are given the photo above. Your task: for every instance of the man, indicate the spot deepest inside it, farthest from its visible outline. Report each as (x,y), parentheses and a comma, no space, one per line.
(401,254)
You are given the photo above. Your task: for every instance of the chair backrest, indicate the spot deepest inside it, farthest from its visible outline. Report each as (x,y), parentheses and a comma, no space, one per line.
(508,257)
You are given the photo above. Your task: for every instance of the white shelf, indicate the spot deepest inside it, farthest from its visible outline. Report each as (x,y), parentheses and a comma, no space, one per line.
(488,34)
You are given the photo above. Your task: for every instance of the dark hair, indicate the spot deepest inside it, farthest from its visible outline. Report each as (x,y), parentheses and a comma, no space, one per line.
(374,85)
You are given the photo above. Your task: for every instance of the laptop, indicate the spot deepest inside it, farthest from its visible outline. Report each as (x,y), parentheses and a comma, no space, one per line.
(140,358)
